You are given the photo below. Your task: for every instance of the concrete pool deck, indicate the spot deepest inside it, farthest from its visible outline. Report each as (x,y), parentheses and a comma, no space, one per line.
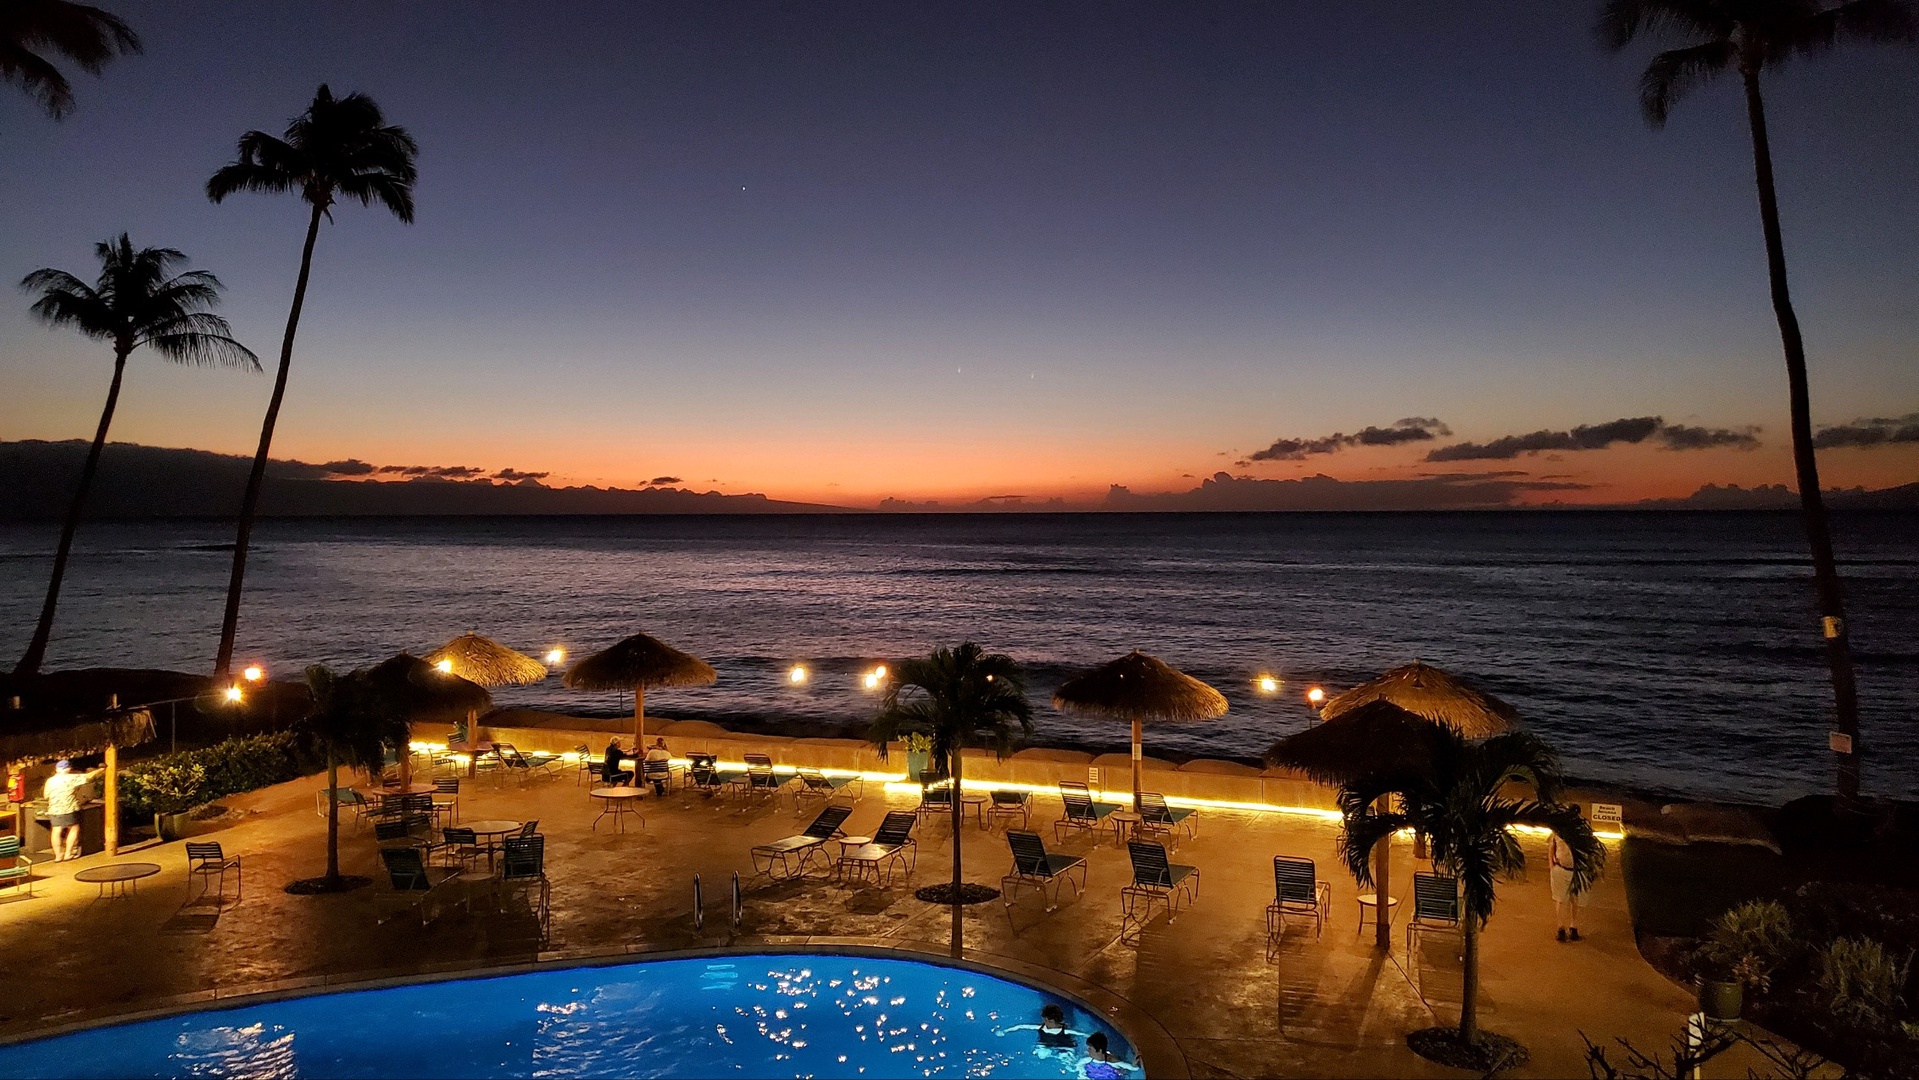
(1331,1006)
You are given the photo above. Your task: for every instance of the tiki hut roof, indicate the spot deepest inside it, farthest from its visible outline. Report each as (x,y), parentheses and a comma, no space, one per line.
(40,738)
(1374,739)
(487,662)
(1139,687)
(640,660)
(424,692)
(1433,694)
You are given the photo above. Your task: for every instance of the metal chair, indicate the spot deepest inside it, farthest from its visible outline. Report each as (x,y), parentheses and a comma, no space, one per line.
(1435,905)
(1005,803)
(814,784)
(705,773)
(16,867)
(1155,880)
(446,799)
(523,868)
(414,883)
(936,794)
(781,853)
(1297,890)
(461,845)
(1034,866)
(892,843)
(206,861)
(1081,811)
(1156,816)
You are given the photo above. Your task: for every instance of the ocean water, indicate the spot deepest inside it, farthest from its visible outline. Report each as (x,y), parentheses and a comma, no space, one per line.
(1670,651)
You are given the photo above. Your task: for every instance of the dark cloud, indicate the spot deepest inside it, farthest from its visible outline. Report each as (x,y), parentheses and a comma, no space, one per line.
(1584,437)
(349,467)
(1681,437)
(433,472)
(1442,491)
(662,481)
(516,476)
(1879,431)
(1411,429)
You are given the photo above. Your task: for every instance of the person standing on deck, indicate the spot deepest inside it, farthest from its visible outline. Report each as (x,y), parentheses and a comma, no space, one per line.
(67,792)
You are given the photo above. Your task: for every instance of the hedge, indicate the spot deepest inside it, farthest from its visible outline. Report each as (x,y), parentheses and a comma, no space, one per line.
(173,783)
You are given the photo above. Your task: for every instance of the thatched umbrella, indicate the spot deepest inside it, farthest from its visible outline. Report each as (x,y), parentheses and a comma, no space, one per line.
(420,692)
(1137,687)
(1434,694)
(487,662)
(635,664)
(46,737)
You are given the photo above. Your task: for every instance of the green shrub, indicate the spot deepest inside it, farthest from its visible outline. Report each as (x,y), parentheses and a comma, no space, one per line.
(173,783)
(1860,982)
(1750,941)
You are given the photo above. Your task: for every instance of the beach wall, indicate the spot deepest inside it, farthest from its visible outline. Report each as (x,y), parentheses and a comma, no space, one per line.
(1201,778)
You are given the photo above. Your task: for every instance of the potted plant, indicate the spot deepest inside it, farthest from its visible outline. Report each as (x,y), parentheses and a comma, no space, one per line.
(1747,942)
(174,789)
(919,747)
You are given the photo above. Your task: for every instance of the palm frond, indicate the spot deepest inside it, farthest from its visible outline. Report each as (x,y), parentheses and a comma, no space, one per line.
(82,34)
(1364,830)
(1871,21)
(1572,828)
(958,697)
(39,78)
(1677,72)
(1621,22)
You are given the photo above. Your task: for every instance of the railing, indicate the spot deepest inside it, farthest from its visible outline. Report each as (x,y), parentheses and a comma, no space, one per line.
(699,906)
(739,902)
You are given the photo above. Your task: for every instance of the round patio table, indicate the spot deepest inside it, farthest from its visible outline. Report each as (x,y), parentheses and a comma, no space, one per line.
(1124,821)
(977,803)
(617,801)
(382,793)
(490,832)
(848,843)
(117,879)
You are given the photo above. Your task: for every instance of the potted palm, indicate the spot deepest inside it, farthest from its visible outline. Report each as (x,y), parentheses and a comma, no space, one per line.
(919,749)
(173,790)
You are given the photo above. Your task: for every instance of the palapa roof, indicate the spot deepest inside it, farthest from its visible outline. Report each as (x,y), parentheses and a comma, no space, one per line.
(1429,692)
(423,692)
(1374,739)
(1139,687)
(487,662)
(35,739)
(641,660)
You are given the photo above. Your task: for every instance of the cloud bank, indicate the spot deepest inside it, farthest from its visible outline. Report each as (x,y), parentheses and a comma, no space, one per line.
(1437,491)
(1879,431)
(1411,429)
(1628,430)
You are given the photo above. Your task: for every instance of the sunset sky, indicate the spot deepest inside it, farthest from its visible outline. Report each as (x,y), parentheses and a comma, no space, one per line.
(843,252)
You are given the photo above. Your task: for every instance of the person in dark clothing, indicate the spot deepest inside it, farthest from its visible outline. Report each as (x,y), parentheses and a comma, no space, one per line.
(1051,1035)
(610,772)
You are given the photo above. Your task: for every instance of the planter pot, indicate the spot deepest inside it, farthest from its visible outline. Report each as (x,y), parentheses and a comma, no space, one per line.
(1721,1000)
(170,826)
(915,765)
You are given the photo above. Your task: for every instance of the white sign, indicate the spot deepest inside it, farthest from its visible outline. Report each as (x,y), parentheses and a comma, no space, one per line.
(1605,813)
(1092,779)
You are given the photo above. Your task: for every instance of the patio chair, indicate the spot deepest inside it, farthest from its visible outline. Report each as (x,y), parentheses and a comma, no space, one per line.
(206,861)
(892,843)
(705,774)
(814,784)
(1297,890)
(658,773)
(16,867)
(1010,804)
(459,845)
(1156,816)
(414,883)
(1435,905)
(762,782)
(1033,865)
(530,829)
(348,799)
(394,832)
(587,768)
(523,869)
(782,853)
(446,799)
(1155,881)
(1081,811)
(936,794)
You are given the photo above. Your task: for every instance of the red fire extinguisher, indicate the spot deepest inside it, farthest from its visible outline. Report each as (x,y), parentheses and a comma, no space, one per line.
(17,787)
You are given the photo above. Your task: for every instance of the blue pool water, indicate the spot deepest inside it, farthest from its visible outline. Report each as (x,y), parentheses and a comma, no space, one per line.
(750,1016)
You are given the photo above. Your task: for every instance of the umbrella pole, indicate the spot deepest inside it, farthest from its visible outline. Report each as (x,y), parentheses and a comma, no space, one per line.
(639,721)
(112,822)
(1382,881)
(1136,764)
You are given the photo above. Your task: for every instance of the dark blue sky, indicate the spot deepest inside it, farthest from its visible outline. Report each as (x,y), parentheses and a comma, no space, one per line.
(851,250)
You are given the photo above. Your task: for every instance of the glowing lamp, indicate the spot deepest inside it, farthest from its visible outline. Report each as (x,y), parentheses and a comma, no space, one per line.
(872,680)
(797,675)
(233,692)
(254,673)
(555,657)
(1315,696)
(1267,684)
(445,666)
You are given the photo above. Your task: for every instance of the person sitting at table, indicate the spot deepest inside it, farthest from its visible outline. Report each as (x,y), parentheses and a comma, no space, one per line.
(659,752)
(610,772)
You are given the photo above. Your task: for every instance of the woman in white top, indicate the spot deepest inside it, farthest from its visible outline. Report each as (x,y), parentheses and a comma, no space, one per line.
(1565,900)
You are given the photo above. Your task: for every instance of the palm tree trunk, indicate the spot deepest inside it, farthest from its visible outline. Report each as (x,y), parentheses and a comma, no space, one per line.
(332,819)
(1469,999)
(37,648)
(639,721)
(229,624)
(1825,569)
(959,822)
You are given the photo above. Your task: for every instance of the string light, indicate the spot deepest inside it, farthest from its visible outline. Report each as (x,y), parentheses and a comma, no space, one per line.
(1315,696)
(797,675)
(254,673)
(445,666)
(233,692)
(555,657)
(1268,684)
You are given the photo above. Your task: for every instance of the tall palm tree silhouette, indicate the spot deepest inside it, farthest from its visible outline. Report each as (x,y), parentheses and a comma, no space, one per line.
(135,302)
(1752,37)
(339,148)
(30,30)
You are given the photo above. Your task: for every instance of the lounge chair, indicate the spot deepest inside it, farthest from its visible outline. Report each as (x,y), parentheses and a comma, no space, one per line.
(414,883)
(1156,816)
(1155,881)
(1435,905)
(1010,804)
(705,774)
(16,867)
(760,781)
(892,842)
(206,861)
(1297,890)
(1033,865)
(1081,811)
(814,784)
(782,853)
(523,869)
(936,794)
(542,766)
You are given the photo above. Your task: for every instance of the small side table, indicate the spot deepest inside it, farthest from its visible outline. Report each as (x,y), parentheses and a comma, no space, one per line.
(117,879)
(1370,902)
(1124,822)
(848,843)
(975,803)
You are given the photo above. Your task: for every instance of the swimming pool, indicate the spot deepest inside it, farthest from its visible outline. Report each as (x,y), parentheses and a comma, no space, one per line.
(749,1015)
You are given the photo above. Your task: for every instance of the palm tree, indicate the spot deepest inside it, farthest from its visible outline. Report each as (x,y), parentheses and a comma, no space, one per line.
(1752,37)
(1454,798)
(136,301)
(85,35)
(339,148)
(958,697)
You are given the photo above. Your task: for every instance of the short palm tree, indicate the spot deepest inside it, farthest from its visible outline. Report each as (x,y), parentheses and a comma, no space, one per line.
(353,725)
(1455,799)
(137,301)
(1752,37)
(339,148)
(959,698)
(32,30)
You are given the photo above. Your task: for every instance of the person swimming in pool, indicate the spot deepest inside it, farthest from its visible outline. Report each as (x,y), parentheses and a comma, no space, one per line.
(1052,1037)
(1099,1064)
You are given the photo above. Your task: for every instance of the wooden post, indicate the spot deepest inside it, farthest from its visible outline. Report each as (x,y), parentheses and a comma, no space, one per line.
(639,723)
(112,823)
(1137,781)
(1382,882)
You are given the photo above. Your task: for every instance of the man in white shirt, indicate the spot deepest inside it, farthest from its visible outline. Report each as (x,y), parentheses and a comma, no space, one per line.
(67,792)
(659,752)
